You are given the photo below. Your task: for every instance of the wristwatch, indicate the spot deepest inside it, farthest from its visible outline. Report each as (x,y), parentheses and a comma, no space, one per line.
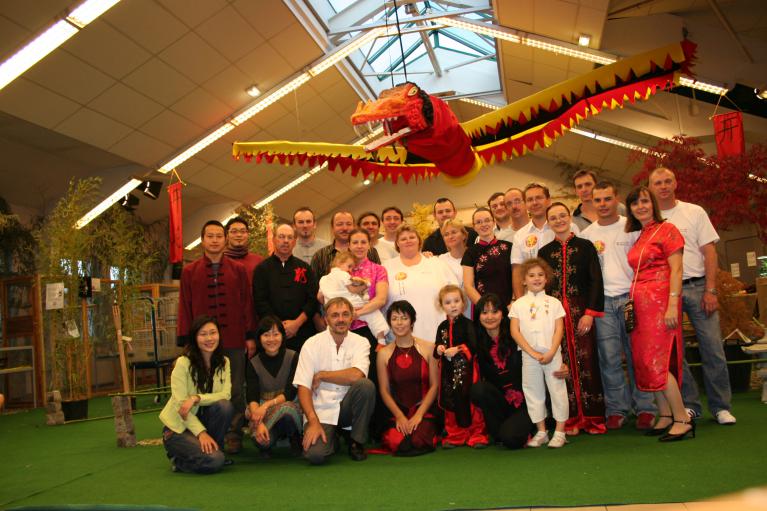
(713,291)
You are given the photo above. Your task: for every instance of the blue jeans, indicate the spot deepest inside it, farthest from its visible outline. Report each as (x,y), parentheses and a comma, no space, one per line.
(715,375)
(184,448)
(612,340)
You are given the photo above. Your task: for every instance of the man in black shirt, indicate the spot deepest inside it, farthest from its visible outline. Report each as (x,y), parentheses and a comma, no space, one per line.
(444,210)
(285,286)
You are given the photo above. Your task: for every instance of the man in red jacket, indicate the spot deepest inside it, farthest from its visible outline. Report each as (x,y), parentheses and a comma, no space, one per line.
(237,243)
(219,286)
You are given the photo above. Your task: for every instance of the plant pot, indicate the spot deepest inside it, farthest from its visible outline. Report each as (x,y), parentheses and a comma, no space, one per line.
(75,410)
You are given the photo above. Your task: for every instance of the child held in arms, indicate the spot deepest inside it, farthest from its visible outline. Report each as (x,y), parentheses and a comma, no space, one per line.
(454,348)
(537,326)
(339,282)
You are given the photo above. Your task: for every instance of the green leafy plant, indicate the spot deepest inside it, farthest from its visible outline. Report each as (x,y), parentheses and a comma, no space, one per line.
(258,223)
(421,218)
(17,244)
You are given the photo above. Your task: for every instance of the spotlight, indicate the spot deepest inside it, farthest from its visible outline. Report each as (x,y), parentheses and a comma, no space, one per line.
(129,202)
(253,91)
(584,40)
(366,182)
(151,189)
(761,93)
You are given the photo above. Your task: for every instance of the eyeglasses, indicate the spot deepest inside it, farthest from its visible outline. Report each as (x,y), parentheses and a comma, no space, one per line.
(515,202)
(238,231)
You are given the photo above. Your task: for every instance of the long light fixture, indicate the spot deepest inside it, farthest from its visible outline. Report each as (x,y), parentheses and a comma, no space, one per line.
(106,203)
(544,43)
(526,39)
(717,89)
(240,117)
(297,181)
(51,38)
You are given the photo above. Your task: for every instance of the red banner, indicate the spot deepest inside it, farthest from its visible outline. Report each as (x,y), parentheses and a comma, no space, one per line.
(728,132)
(176,239)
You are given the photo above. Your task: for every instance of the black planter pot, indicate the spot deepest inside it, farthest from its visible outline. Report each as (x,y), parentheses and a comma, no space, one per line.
(75,410)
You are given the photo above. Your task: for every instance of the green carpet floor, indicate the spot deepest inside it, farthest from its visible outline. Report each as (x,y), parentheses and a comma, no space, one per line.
(79,464)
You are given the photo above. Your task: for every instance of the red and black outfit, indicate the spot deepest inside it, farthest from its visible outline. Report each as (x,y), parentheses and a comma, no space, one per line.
(577,283)
(408,373)
(248,259)
(491,261)
(464,423)
(221,292)
(499,393)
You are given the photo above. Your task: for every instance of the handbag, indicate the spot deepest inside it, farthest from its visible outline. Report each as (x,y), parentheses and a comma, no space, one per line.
(629,314)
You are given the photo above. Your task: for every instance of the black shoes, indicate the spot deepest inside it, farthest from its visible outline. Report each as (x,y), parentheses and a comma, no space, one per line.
(357,451)
(656,431)
(668,437)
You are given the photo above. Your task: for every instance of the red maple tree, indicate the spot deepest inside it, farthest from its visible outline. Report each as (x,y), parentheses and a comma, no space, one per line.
(732,189)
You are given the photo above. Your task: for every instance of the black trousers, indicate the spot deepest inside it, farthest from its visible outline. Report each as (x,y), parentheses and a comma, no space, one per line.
(505,423)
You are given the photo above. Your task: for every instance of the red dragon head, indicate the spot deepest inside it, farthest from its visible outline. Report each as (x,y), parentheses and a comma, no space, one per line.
(404,110)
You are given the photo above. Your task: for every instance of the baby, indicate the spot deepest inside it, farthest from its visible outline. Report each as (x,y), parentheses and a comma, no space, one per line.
(339,282)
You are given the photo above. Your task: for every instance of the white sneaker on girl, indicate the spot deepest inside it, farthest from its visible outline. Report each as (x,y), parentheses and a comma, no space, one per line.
(540,438)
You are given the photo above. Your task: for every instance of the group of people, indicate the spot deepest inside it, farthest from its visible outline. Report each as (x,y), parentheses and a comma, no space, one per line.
(457,339)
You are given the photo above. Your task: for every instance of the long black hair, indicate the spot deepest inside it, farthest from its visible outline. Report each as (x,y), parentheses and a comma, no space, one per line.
(265,325)
(202,376)
(505,342)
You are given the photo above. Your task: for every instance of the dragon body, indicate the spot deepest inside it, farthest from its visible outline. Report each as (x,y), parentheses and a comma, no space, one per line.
(422,137)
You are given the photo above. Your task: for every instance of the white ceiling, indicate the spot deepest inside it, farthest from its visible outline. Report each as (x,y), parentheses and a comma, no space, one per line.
(152,76)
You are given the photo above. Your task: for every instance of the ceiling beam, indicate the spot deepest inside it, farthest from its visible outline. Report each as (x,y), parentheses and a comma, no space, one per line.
(412,19)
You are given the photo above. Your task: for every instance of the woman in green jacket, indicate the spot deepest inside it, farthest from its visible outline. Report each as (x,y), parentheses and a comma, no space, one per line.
(199,412)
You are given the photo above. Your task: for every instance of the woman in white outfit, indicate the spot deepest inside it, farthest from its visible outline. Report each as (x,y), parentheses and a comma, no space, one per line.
(418,279)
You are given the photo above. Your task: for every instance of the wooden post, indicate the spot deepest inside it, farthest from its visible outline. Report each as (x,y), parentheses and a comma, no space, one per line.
(121,348)
(124,429)
(38,339)
(86,346)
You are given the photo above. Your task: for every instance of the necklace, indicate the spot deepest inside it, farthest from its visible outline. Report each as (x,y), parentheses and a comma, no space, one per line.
(534,308)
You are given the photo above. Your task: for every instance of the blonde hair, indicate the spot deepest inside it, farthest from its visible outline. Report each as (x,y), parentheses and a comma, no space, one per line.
(446,290)
(407,228)
(454,222)
(529,264)
(341,258)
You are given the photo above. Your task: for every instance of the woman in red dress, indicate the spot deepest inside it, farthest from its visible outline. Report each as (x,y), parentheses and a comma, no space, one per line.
(408,381)
(656,341)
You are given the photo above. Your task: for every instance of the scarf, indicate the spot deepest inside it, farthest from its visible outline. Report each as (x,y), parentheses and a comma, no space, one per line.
(236,253)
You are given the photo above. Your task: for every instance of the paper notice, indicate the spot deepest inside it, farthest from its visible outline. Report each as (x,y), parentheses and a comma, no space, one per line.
(735,270)
(54,296)
(96,285)
(751,259)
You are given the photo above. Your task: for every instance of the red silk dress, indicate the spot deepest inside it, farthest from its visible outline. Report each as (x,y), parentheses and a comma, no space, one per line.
(656,349)
(408,383)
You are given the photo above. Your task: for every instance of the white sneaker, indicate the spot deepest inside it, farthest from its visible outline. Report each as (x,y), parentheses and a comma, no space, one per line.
(692,414)
(540,438)
(725,418)
(558,440)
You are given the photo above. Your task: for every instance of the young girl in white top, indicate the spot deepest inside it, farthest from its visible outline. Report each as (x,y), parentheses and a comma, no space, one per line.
(537,326)
(339,282)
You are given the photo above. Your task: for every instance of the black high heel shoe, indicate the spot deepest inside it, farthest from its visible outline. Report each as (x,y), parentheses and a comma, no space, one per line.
(660,431)
(668,437)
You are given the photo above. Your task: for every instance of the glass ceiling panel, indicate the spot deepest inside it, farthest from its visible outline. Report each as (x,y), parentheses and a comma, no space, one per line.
(452,47)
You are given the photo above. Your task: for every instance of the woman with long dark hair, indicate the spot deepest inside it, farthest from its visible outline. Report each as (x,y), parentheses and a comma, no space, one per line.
(199,413)
(656,341)
(272,410)
(577,283)
(499,393)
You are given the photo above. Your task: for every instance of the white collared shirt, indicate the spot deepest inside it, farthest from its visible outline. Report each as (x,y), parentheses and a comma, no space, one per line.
(613,243)
(529,240)
(319,353)
(537,314)
(694,224)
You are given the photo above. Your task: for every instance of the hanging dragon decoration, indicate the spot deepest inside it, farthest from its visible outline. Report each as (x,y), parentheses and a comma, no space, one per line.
(423,138)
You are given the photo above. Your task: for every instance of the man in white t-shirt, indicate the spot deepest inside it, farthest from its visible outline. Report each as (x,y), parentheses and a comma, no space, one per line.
(612,243)
(306,227)
(537,233)
(391,219)
(699,296)
(503,230)
(333,388)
